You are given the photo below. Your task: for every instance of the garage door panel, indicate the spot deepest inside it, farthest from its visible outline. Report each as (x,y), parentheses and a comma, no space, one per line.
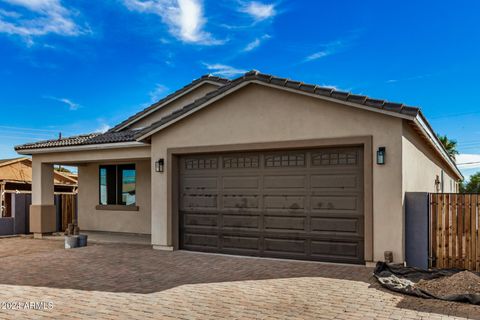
(241,182)
(199,163)
(285,182)
(192,219)
(238,242)
(200,183)
(241,161)
(240,201)
(285,213)
(335,158)
(284,202)
(199,201)
(336,250)
(284,223)
(347,226)
(301,204)
(241,221)
(327,182)
(201,240)
(272,245)
(334,203)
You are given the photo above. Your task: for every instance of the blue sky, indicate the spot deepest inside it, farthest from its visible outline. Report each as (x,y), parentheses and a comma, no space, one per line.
(81,66)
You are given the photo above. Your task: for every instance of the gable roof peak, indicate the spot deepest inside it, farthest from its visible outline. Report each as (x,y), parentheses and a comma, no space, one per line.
(192,85)
(252,72)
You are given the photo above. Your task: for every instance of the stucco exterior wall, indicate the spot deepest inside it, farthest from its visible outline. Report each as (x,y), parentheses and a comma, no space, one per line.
(421,166)
(89,218)
(178,103)
(261,114)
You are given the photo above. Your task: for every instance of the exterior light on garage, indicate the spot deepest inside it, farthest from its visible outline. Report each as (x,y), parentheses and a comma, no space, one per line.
(381,155)
(159,164)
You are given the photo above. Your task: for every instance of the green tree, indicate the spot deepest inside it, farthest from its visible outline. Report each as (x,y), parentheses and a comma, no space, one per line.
(62,169)
(473,185)
(450,145)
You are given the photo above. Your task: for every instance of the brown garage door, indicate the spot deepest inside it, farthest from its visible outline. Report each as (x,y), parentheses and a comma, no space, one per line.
(301,204)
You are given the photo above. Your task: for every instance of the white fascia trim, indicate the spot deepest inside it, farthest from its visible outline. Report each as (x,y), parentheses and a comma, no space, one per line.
(355,105)
(117,145)
(431,136)
(167,102)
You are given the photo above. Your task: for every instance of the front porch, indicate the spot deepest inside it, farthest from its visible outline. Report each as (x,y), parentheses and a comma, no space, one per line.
(114,205)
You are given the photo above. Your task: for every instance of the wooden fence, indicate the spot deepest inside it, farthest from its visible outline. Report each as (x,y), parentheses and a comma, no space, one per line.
(68,203)
(454,231)
(18,214)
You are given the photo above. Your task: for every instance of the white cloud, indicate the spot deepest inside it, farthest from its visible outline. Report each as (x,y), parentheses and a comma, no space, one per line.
(184,18)
(158,93)
(328,49)
(329,86)
(71,105)
(317,55)
(46,17)
(255,43)
(223,70)
(103,128)
(259,11)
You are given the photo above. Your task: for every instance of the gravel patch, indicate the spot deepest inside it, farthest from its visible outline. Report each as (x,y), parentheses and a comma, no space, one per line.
(464,282)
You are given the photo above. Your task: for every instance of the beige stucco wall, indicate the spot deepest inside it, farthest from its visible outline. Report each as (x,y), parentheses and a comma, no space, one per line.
(89,218)
(175,104)
(421,165)
(261,114)
(258,114)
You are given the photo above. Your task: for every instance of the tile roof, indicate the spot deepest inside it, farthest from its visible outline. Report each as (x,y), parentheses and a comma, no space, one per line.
(192,84)
(87,139)
(291,84)
(113,136)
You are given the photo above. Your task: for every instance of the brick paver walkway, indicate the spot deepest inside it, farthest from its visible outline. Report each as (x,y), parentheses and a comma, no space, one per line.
(136,282)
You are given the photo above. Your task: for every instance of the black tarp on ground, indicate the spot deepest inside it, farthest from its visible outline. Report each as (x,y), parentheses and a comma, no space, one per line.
(402,279)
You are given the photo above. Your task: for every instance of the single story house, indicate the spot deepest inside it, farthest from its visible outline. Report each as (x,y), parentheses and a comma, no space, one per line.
(16,177)
(258,165)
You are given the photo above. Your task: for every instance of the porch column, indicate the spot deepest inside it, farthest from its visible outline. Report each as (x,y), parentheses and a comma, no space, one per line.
(161,204)
(42,210)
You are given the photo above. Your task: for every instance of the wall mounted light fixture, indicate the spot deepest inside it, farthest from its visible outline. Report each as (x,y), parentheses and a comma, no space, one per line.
(381,153)
(159,165)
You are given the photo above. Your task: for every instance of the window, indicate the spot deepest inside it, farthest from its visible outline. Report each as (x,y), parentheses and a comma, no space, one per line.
(117,184)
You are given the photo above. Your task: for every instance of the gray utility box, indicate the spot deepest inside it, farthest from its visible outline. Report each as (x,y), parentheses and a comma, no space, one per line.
(417,229)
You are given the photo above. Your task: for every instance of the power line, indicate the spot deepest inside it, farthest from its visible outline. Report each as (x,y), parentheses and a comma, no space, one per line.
(468,163)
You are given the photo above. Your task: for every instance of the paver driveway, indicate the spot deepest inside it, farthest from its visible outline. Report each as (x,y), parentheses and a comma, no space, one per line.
(127,281)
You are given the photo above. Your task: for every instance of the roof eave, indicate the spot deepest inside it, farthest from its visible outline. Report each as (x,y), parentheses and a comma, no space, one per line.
(85,147)
(422,123)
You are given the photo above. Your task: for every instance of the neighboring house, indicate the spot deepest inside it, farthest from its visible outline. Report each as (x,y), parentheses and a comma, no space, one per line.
(258,165)
(16,177)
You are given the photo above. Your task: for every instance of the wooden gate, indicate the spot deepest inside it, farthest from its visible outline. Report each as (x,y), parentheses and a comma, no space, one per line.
(454,231)
(68,209)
